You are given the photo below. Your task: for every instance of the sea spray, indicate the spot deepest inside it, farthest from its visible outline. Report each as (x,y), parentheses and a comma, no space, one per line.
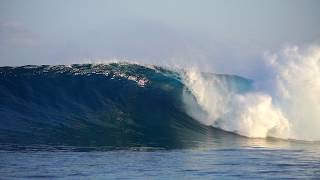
(295,82)
(286,105)
(250,114)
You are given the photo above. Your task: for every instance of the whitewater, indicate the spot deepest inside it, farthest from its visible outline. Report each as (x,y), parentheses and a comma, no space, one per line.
(285,105)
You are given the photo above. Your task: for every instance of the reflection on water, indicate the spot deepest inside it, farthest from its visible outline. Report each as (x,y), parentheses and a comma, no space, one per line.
(220,156)
(187,163)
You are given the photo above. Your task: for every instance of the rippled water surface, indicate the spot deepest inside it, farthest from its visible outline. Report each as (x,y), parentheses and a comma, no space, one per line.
(244,158)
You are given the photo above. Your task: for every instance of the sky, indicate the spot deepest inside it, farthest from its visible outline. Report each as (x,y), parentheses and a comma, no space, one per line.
(223,36)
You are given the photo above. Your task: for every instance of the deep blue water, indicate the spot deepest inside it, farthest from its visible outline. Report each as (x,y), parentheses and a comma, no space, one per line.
(127,121)
(116,105)
(238,158)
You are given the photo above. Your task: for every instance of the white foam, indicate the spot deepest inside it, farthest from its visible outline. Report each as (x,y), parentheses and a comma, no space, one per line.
(286,105)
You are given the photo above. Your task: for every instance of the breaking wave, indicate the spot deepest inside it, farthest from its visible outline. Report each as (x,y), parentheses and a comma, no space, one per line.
(286,105)
(123,104)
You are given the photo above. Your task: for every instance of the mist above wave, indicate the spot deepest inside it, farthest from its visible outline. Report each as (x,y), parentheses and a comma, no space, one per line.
(286,105)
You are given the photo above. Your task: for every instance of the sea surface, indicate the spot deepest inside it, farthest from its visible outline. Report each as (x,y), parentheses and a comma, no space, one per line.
(240,158)
(132,121)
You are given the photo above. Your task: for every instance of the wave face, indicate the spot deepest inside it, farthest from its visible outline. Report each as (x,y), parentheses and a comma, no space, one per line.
(126,105)
(115,104)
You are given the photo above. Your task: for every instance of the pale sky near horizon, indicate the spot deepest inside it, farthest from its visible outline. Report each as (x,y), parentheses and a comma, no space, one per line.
(227,36)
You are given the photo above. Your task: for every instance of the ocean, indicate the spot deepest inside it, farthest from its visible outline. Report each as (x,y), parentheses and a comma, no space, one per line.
(221,158)
(132,121)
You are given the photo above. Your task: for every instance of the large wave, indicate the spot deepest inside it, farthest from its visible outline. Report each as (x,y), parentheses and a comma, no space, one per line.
(123,104)
(116,104)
